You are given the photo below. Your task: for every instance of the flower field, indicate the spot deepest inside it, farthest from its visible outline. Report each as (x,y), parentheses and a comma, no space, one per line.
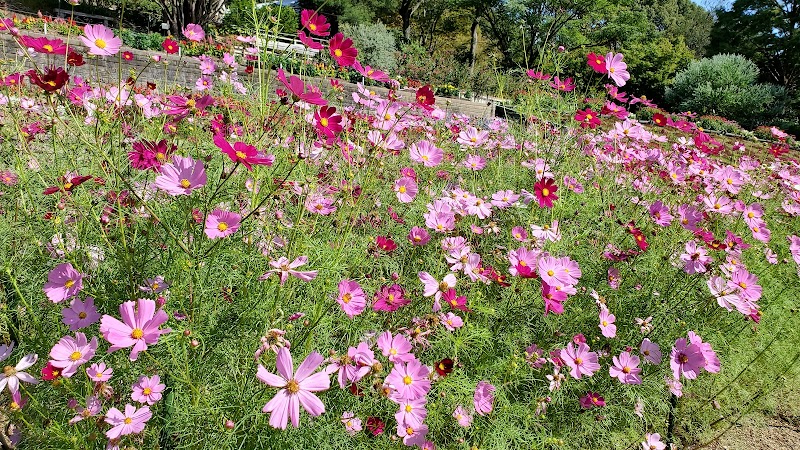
(258,263)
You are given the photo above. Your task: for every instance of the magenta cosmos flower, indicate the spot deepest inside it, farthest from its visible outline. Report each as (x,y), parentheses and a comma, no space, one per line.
(410,380)
(182,176)
(286,268)
(328,124)
(351,298)
(101,40)
(138,328)
(626,368)
(132,421)
(243,153)
(545,191)
(220,224)
(483,399)
(296,388)
(70,353)
(298,90)
(148,390)
(687,359)
(194,32)
(580,360)
(63,282)
(315,23)
(342,50)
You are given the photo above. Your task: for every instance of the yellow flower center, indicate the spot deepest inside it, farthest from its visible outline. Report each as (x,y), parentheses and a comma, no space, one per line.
(611,70)
(185,183)
(407,380)
(338,53)
(605,323)
(98,375)
(222,226)
(626,370)
(409,431)
(74,356)
(99,43)
(387,116)
(550,273)
(743,284)
(48,47)
(323,121)
(443,286)
(347,297)
(191,103)
(82,315)
(578,361)
(402,189)
(545,192)
(9,371)
(69,283)
(147,391)
(137,333)
(155,286)
(292,386)
(312,27)
(393,351)
(409,408)
(128,421)
(241,155)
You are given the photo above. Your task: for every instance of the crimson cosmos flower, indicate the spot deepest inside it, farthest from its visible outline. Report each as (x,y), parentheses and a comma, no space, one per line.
(545,191)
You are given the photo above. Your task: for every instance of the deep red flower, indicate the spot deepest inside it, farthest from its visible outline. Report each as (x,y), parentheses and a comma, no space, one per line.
(52,80)
(50,373)
(127,56)
(444,367)
(545,191)
(170,46)
(67,185)
(385,243)
(592,399)
(597,62)
(375,425)
(342,50)
(425,97)
(659,119)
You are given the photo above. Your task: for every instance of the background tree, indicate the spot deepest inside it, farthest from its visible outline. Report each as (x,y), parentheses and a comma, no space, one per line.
(179,13)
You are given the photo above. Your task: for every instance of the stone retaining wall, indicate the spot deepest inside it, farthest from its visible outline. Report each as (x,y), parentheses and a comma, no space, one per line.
(184,71)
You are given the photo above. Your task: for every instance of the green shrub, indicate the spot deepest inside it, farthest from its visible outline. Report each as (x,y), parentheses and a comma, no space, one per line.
(725,85)
(375,43)
(241,19)
(719,124)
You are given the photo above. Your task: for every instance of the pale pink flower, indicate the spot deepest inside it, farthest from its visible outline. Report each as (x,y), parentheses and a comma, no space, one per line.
(63,282)
(686,359)
(426,153)
(462,416)
(351,298)
(93,407)
(352,424)
(650,351)
(99,372)
(406,189)
(101,40)
(80,314)
(580,360)
(653,442)
(296,388)
(397,349)
(451,321)
(285,268)
(410,380)
(12,375)
(483,399)
(617,70)
(220,224)
(626,368)
(194,32)
(607,326)
(411,412)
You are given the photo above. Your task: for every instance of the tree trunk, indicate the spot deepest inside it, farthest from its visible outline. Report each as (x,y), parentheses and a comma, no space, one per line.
(473,45)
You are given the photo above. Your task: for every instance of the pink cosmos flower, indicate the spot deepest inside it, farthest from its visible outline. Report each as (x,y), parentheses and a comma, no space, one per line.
(412,436)
(342,50)
(243,153)
(712,363)
(426,153)
(44,45)
(553,299)
(182,176)
(411,412)
(327,122)
(567,85)
(369,72)
(435,288)
(132,421)
(410,380)
(475,162)
(63,282)
(695,259)
(462,416)
(686,359)
(471,137)
(316,24)
(745,284)
(220,224)
(545,191)
(626,368)
(154,285)
(396,348)
(298,90)
(607,326)
(320,204)
(285,268)
(580,360)
(296,388)
(99,372)
(794,248)
(70,353)
(390,298)
(352,424)
(148,390)
(309,42)
(101,40)
(138,329)
(454,300)
(93,407)
(483,398)
(406,189)
(592,399)
(418,236)
(650,351)
(660,214)
(351,298)
(596,62)
(451,321)
(80,314)
(617,69)
(194,32)
(653,442)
